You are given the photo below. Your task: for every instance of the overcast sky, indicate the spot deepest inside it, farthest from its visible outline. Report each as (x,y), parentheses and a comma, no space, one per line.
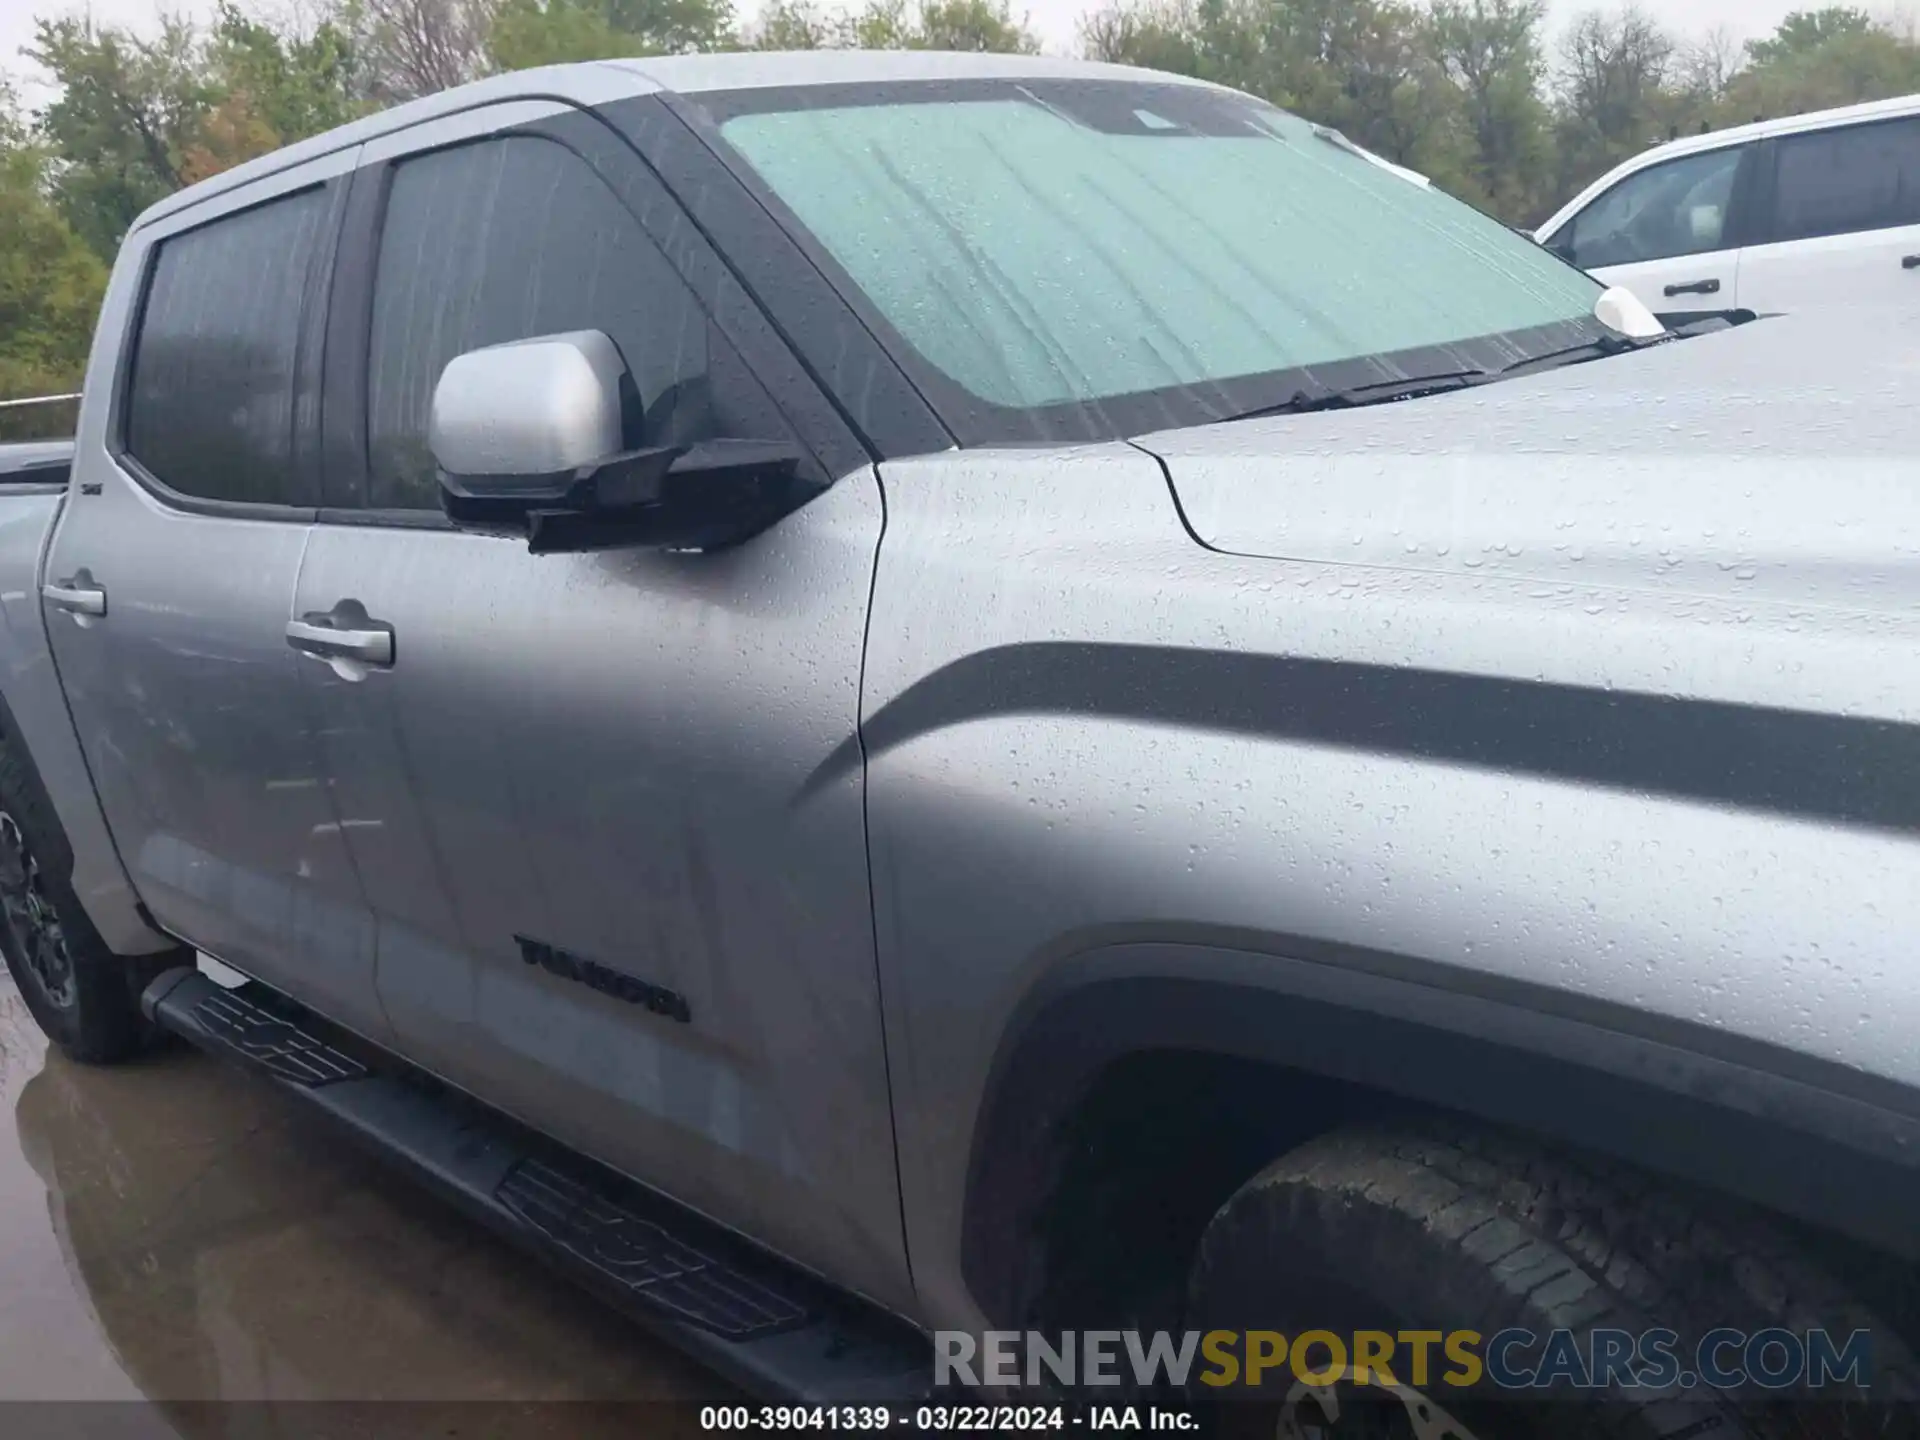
(1055,20)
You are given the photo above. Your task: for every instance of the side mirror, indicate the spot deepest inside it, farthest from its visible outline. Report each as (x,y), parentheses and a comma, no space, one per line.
(532,439)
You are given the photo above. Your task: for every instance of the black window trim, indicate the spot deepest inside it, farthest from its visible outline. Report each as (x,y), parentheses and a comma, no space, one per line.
(606,151)
(785,272)
(1747,206)
(312,301)
(1761,189)
(349,329)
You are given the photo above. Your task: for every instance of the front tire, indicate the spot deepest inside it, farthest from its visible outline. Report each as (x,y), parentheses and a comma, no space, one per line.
(85,997)
(1400,1230)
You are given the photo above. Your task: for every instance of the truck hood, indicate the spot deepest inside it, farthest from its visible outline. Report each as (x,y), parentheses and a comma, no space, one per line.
(1776,461)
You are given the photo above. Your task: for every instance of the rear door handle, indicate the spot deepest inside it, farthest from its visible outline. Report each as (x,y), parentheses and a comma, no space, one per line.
(1910,262)
(1695,287)
(80,595)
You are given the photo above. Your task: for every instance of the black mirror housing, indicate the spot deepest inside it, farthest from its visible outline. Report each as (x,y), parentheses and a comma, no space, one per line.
(528,439)
(704,496)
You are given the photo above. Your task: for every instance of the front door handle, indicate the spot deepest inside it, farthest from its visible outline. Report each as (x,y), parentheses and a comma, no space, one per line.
(1694,287)
(1910,262)
(346,637)
(370,647)
(79,596)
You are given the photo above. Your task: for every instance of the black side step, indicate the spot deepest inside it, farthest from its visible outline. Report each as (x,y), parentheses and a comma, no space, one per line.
(773,1331)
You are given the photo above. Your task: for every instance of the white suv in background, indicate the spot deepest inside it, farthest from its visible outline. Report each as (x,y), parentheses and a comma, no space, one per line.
(1813,210)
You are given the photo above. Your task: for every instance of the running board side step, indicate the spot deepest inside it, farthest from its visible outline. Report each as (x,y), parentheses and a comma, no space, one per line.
(773,1331)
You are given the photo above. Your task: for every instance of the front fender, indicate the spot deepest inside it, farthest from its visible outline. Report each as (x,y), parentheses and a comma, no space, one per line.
(1425,832)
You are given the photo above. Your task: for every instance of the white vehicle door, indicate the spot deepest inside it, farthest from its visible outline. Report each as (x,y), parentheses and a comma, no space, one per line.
(1667,233)
(1842,222)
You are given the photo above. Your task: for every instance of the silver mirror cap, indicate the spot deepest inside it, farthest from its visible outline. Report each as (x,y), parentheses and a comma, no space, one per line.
(543,406)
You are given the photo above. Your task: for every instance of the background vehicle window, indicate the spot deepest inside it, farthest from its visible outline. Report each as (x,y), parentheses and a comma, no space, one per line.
(1679,208)
(210,407)
(1836,182)
(518,237)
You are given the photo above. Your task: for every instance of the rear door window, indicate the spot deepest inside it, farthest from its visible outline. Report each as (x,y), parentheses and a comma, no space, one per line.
(1842,181)
(210,406)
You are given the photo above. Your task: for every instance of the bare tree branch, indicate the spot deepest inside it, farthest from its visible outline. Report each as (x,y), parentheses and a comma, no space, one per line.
(416,47)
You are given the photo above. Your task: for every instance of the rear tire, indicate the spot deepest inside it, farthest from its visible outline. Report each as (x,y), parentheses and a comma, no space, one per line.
(1443,1229)
(85,997)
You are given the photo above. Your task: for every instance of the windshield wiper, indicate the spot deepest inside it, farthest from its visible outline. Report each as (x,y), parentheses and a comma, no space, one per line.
(1595,349)
(1377,392)
(1380,392)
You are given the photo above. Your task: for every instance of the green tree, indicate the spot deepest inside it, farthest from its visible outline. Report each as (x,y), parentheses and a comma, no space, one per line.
(1492,52)
(882,25)
(979,25)
(269,87)
(976,25)
(126,112)
(1365,67)
(301,83)
(526,33)
(551,32)
(676,26)
(1616,95)
(1225,41)
(1704,69)
(1805,31)
(50,281)
(1820,59)
(795,25)
(135,119)
(418,47)
(1167,35)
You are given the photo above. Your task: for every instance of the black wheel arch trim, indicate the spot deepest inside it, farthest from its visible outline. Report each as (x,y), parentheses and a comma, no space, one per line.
(56,846)
(61,860)
(1818,1141)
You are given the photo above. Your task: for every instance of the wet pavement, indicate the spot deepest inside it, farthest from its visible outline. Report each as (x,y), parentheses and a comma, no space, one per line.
(183,1252)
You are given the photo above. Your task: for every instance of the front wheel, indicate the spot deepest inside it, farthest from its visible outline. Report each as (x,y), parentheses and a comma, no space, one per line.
(1400,1234)
(85,997)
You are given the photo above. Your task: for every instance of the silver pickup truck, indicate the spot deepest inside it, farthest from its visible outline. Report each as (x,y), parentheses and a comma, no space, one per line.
(877,699)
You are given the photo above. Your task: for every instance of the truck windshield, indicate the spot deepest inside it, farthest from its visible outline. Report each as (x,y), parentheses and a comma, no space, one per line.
(1065,259)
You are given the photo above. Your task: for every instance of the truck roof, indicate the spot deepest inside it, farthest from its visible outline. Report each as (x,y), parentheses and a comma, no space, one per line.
(609,80)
